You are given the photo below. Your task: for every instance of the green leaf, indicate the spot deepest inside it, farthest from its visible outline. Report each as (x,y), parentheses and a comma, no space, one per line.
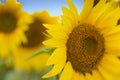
(42,51)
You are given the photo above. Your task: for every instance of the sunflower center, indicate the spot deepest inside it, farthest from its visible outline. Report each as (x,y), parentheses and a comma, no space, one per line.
(90,45)
(8,22)
(85,48)
(35,34)
(118,23)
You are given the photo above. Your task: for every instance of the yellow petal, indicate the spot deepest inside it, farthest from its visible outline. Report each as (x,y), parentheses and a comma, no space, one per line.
(58,34)
(55,70)
(58,61)
(78,76)
(106,75)
(97,11)
(53,26)
(58,56)
(54,43)
(73,10)
(72,6)
(24,18)
(58,31)
(66,21)
(10,1)
(67,72)
(67,13)
(67,26)
(95,75)
(114,31)
(50,26)
(111,64)
(13,5)
(88,5)
(45,17)
(109,21)
(23,38)
(109,8)
(111,45)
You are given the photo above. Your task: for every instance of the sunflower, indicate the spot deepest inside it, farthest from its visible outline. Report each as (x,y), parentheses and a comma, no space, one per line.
(13,23)
(35,35)
(87,45)
(118,1)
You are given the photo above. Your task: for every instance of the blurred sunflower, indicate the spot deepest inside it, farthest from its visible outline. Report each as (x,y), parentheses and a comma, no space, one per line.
(35,35)
(13,23)
(86,44)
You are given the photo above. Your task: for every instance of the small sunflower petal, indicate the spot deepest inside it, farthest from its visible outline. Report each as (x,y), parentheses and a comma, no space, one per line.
(67,72)
(111,44)
(109,7)
(77,76)
(106,75)
(55,70)
(97,9)
(67,13)
(58,56)
(54,43)
(95,75)
(73,10)
(112,32)
(109,21)
(58,34)
(88,5)
(111,64)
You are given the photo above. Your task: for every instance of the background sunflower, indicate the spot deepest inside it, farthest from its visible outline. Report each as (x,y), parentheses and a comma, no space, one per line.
(13,23)
(35,35)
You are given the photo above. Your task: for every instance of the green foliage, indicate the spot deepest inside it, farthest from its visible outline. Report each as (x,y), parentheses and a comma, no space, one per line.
(9,73)
(42,51)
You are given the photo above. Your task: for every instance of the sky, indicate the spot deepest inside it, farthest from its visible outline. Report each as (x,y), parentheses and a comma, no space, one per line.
(53,6)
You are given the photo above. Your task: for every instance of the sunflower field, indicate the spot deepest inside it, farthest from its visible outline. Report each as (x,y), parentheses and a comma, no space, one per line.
(75,45)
